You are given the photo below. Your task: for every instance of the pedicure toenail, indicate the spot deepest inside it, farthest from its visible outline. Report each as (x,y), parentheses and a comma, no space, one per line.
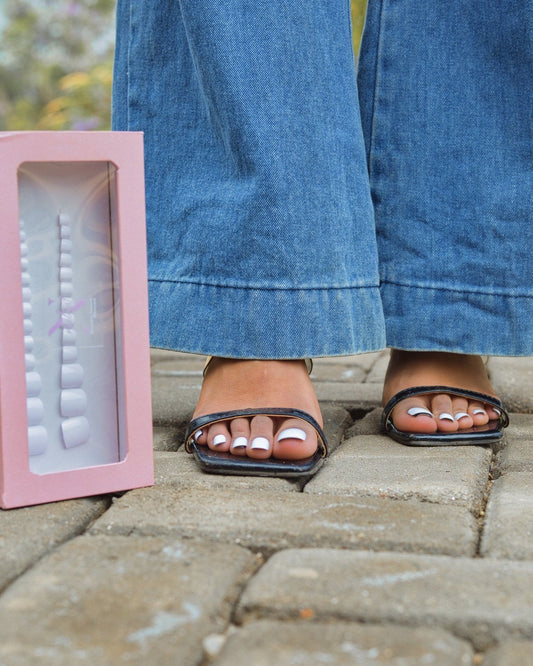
(460,415)
(239,443)
(197,435)
(292,433)
(218,440)
(446,417)
(497,411)
(417,411)
(478,411)
(261,443)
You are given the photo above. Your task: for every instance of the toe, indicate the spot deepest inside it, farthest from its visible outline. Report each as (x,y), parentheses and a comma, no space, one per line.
(240,436)
(261,437)
(478,413)
(218,437)
(294,439)
(414,415)
(442,407)
(460,413)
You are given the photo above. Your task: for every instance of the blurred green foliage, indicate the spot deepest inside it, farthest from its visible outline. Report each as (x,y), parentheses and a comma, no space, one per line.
(56,60)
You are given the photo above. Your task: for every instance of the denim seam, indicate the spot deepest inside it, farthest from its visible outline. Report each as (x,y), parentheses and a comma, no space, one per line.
(374,96)
(258,288)
(469,289)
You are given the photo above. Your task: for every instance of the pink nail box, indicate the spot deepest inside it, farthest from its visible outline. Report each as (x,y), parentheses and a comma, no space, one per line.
(74,317)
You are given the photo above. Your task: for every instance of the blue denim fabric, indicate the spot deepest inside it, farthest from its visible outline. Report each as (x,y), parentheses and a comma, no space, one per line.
(260,209)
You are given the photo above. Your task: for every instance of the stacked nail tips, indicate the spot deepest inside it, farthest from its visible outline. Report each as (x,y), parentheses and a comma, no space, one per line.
(73,399)
(37,434)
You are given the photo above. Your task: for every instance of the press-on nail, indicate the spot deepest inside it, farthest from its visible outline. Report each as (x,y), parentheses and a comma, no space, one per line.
(197,435)
(35,409)
(66,288)
(479,411)
(75,431)
(69,354)
(218,440)
(37,440)
(71,375)
(260,443)
(33,384)
(461,415)
(73,402)
(417,411)
(292,433)
(239,443)
(445,417)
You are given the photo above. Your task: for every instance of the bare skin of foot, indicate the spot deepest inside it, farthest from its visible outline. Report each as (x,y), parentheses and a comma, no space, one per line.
(448,413)
(248,384)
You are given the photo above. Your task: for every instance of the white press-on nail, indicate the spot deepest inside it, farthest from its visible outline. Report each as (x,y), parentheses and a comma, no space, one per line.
(73,402)
(65,259)
(28,327)
(30,362)
(418,411)
(498,411)
(26,279)
(75,431)
(64,231)
(68,336)
(479,411)
(461,415)
(67,304)
(239,443)
(65,245)
(67,320)
(292,433)
(66,288)
(71,375)
(260,443)
(445,417)
(28,343)
(35,409)
(65,274)
(218,440)
(69,354)
(37,440)
(197,435)
(63,218)
(33,384)
(27,309)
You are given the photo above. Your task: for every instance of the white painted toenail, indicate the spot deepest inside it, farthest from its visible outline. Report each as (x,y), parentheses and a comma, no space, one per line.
(497,411)
(239,443)
(478,411)
(446,417)
(197,435)
(261,443)
(417,411)
(460,415)
(218,440)
(292,433)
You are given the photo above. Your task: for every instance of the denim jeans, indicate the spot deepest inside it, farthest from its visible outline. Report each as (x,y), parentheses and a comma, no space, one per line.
(298,208)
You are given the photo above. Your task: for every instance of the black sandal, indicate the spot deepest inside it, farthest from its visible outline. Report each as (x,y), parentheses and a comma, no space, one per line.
(485,434)
(217,462)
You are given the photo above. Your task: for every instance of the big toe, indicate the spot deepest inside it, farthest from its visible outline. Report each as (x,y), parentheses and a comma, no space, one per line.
(414,415)
(295,439)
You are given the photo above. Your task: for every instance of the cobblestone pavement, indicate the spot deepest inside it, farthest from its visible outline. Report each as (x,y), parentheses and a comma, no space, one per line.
(389,555)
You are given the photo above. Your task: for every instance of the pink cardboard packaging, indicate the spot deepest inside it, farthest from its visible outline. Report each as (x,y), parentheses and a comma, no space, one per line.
(75,404)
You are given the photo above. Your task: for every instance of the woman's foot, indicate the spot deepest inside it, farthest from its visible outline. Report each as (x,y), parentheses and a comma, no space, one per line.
(438,412)
(247,384)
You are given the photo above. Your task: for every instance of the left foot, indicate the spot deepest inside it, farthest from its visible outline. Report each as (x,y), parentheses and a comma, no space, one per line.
(439,412)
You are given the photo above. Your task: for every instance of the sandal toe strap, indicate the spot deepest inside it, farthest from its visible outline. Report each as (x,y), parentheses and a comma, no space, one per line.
(462,393)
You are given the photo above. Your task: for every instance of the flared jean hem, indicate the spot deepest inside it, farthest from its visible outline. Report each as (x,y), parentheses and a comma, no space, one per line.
(265,323)
(467,322)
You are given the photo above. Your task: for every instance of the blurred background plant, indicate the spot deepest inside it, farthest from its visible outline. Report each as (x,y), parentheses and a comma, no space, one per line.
(56,62)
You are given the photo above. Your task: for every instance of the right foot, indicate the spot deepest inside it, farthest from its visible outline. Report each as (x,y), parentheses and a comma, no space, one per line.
(248,384)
